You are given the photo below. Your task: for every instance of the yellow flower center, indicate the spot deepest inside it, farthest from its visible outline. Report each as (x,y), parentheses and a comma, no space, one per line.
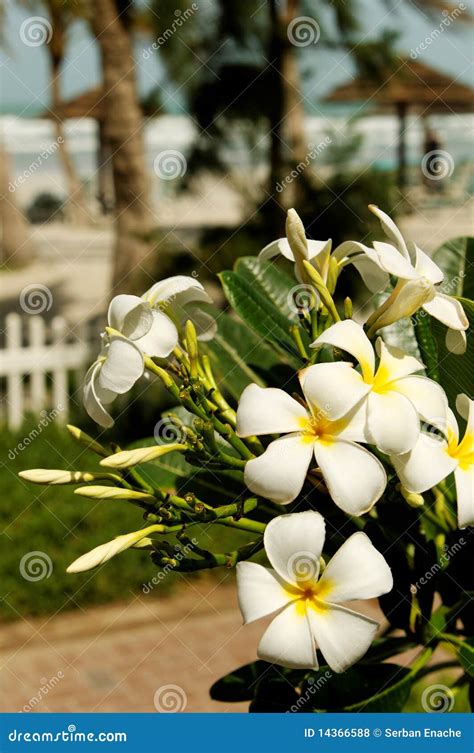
(463,451)
(310,595)
(318,428)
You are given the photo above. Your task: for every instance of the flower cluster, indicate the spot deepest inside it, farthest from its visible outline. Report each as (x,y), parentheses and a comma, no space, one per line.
(350,420)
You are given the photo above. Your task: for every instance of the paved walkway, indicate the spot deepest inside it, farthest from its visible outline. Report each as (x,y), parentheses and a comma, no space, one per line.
(123,657)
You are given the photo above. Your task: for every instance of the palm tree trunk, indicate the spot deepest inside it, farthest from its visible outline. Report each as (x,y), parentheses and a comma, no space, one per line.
(76,205)
(122,123)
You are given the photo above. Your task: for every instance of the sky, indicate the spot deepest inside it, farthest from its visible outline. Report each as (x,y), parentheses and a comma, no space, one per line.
(24,68)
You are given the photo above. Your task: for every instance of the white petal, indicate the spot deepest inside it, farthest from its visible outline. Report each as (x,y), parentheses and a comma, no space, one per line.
(392,422)
(456,341)
(260,591)
(350,336)
(425,465)
(374,278)
(280,472)
(393,262)
(130,315)
(354,477)
(294,543)
(280,246)
(288,640)
(394,362)
(405,299)
(319,253)
(390,229)
(448,311)
(161,338)
(92,402)
(343,636)
(427,396)
(465,494)
(123,366)
(179,289)
(357,571)
(427,267)
(268,410)
(333,388)
(465,408)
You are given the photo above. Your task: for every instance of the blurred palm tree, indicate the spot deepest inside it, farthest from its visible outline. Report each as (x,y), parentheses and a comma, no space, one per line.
(113,22)
(62,14)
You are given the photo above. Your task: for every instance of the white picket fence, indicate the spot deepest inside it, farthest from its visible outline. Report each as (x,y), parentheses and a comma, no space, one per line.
(41,366)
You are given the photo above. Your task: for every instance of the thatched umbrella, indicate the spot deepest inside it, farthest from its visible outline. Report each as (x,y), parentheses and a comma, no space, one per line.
(412,86)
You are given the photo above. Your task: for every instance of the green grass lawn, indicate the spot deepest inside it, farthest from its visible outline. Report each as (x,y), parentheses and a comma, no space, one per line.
(61,525)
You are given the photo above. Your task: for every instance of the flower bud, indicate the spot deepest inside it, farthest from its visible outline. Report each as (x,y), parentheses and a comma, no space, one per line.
(105,552)
(51,476)
(111,492)
(129,458)
(296,235)
(413,499)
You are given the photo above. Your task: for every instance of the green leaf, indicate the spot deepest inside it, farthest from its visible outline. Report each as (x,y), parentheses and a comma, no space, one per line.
(261,315)
(456,259)
(270,281)
(466,656)
(240,684)
(235,352)
(455,371)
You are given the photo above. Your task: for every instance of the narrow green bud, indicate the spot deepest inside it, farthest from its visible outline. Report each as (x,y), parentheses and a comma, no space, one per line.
(52,476)
(348,308)
(86,440)
(413,499)
(192,348)
(296,235)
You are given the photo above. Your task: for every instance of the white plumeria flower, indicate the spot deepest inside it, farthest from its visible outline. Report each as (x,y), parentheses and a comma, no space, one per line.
(354,477)
(153,321)
(392,398)
(433,458)
(309,607)
(318,253)
(119,365)
(418,278)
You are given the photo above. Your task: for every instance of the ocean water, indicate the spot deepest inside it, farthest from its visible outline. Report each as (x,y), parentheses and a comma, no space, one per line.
(35,165)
